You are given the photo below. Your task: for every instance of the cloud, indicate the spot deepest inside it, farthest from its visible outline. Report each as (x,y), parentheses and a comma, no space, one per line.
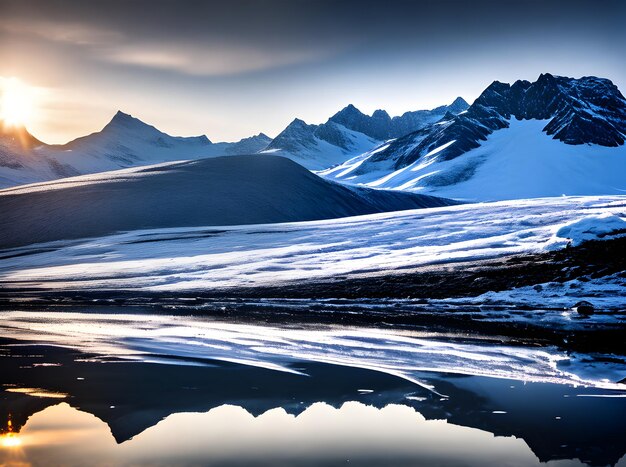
(222,59)
(205,57)
(64,32)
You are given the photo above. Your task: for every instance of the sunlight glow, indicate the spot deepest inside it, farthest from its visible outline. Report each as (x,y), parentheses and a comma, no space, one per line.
(11,440)
(36,392)
(17,102)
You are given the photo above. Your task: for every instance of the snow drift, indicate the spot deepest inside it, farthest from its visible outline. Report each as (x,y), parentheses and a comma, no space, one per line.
(600,227)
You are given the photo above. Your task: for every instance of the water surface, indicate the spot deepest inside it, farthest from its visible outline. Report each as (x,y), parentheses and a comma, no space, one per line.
(99,387)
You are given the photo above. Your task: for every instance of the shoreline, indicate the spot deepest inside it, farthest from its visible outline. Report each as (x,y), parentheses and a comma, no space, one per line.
(445,280)
(424,299)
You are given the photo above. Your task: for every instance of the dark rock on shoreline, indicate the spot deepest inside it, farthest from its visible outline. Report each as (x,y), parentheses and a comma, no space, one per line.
(584,308)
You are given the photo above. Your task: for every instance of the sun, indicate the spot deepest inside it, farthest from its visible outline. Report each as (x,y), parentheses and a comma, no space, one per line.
(16,102)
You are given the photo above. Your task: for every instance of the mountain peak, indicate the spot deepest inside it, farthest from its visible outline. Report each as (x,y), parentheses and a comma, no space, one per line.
(349,111)
(459,101)
(458,105)
(297,122)
(584,110)
(123,120)
(122,117)
(546,78)
(381,114)
(497,87)
(297,135)
(297,127)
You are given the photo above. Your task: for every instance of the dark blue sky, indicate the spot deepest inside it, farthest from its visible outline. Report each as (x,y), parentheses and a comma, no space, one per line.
(233,68)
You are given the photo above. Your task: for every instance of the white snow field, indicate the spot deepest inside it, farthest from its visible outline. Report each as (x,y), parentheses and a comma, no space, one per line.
(259,255)
(514,163)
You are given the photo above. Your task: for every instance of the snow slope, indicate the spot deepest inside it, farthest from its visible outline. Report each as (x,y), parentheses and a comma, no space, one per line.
(216,191)
(520,161)
(124,142)
(209,258)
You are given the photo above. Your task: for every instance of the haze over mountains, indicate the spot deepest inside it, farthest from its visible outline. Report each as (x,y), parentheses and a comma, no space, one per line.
(128,142)
(554,136)
(124,142)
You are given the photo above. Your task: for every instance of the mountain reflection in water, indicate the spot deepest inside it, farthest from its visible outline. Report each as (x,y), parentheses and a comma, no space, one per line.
(69,406)
(322,434)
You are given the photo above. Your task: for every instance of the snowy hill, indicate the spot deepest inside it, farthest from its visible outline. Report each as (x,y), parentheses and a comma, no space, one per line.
(350,132)
(215,191)
(124,142)
(554,136)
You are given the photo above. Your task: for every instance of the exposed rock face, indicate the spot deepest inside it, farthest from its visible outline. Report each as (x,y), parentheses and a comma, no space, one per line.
(587,110)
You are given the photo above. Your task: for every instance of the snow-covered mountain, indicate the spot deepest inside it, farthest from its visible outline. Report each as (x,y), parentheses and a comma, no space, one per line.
(124,142)
(317,147)
(382,127)
(228,190)
(350,132)
(555,136)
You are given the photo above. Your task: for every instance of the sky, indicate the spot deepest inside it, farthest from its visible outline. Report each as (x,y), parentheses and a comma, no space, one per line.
(234,68)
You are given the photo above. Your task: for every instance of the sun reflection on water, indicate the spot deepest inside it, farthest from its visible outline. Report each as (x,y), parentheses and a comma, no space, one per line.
(37,392)
(10,439)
